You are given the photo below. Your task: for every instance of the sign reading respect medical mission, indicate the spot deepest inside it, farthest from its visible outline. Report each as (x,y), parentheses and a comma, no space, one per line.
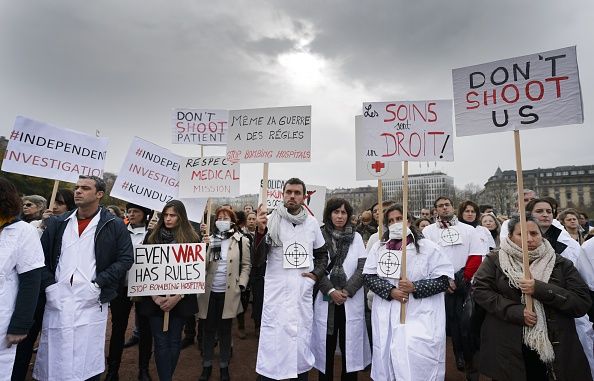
(38,149)
(270,135)
(521,93)
(212,176)
(167,269)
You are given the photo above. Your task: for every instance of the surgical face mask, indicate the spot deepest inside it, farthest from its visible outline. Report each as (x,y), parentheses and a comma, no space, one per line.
(223,226)
(396,230)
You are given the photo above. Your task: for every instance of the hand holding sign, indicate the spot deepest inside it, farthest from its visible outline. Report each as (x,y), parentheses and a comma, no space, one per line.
(261,219)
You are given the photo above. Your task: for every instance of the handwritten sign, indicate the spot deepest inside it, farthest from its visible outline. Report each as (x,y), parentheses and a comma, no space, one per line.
(405,130)
(168,269)
(150,177)
(199,126)
(315,197)
(38,149)
(533,91)
(268,135)
(372,170)
(209,177)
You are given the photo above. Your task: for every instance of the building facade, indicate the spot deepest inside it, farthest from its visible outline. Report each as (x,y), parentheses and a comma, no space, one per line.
(423,190)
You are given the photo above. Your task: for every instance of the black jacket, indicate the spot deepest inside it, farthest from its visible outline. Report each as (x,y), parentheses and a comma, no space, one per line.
(113,251)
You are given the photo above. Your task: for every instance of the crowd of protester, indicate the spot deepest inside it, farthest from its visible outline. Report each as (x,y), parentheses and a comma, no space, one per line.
(63,268)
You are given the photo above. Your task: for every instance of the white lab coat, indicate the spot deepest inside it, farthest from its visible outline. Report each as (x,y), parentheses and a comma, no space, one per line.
(414,350)
(358,351)
(20,252)
(284,349)
(457,253)
(72,341)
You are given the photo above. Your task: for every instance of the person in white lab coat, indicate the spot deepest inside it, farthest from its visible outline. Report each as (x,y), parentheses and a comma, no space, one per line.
(21,263)
(87,253)
(293,244)
(339,309)
(414,350)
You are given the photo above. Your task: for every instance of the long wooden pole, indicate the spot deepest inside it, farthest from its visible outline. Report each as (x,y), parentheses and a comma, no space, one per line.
(54,193)
(522,207)
(264,197)
(380,209)
(404,235)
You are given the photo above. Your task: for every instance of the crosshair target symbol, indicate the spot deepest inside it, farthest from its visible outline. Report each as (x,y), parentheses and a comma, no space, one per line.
(389,263)
(450,235)
(296,255)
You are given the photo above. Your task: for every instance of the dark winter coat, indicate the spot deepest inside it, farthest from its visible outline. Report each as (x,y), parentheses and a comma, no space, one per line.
(564,297)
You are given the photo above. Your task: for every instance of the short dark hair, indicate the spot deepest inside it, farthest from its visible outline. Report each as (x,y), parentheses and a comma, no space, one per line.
(516,220)
(100,185)
(294,181)
(10,202)
(442,198)
(67,197)
(333,204)
(462,208)
(532,203)
(241,217)
(484,207)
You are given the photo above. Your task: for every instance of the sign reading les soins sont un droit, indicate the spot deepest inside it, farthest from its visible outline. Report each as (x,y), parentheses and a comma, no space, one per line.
(269,135)
(533,91)
(38,149)
(167,269)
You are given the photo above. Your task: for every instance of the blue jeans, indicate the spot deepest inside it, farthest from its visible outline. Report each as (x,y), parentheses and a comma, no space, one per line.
(167,345)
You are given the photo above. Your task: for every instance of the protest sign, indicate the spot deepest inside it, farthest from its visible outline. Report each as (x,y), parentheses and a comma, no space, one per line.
(199,126)
(208,177)
(537,90)
(150,177)
(167,269)
(269,135)
(315,197)
(38,149)
(372,170)
(407,130)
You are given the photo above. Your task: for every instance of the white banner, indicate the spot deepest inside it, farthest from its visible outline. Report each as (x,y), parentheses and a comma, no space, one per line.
(408,130)
(38,149)
(314,202)
(199,126)
(372,170)
(168,269)
(270,135)
(208,177)
(150,177)
(521,93)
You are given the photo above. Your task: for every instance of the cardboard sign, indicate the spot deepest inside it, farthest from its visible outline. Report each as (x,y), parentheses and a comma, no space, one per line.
(533,91)
(208,177)
(315,197)
(372,170)
(405,130)
(38,149)
(150,177)
(199,126)
(270,135)
(168,269)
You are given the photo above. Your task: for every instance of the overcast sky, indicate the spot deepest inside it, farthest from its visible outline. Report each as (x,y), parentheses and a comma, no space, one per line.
(121,66)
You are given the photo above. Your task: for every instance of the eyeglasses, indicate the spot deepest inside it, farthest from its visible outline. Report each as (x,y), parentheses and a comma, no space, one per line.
(28,205)
(446,205)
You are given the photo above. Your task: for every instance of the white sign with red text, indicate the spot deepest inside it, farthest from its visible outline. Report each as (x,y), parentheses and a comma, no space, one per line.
(314,200)
(212,176)
(199,126)
(376,169)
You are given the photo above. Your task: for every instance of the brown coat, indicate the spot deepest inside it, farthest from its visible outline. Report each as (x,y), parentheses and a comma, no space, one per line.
(238,274)
(565,297)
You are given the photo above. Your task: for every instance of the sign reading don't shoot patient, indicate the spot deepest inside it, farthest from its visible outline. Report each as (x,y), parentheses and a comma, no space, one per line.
(199,126)
(38,149)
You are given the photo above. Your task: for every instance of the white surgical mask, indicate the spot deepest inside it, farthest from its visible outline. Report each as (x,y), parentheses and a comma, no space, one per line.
(396,230)
(223,226)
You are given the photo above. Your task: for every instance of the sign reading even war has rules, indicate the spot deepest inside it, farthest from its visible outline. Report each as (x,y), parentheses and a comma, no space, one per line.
(167,269)
(407,130)
(208,177)
(314,200)
(269,135)
(199,126)
(376,169)
(150,177)
(537,90)
(38,149)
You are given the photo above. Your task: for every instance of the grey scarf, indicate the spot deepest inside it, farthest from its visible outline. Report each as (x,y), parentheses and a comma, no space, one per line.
(274,222)
(338,243)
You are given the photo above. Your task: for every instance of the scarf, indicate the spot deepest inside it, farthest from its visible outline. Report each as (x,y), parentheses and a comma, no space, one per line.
(166,236)
(474,223)
(444,224)
(542,261)
(215,243)
(274,222)
(338,243)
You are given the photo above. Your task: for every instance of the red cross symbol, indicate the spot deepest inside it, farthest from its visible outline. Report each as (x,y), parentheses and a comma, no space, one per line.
(378,165)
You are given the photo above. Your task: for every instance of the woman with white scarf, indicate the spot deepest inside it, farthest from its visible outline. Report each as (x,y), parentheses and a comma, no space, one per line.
(520,344)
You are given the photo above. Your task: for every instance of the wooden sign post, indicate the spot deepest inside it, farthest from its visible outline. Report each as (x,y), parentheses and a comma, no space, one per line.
(404,234)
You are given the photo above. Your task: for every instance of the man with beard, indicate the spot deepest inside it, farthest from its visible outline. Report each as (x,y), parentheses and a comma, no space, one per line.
(292,243)
(462,245)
